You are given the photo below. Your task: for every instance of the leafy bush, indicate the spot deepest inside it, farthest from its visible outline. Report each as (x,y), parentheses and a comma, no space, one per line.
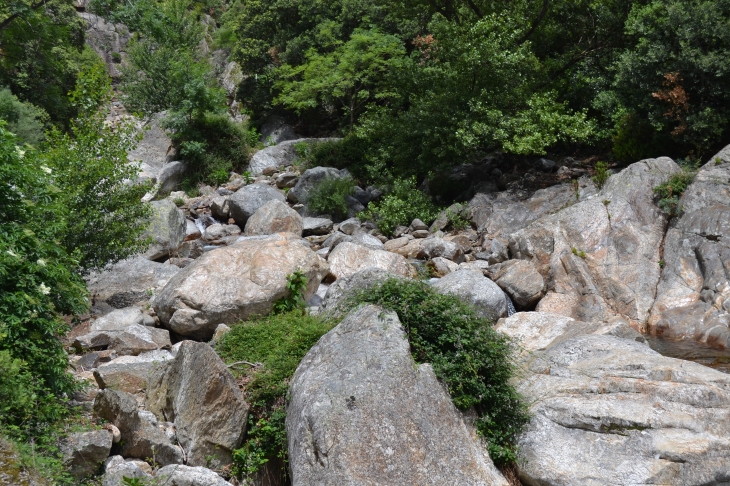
(295,285)
(329,196)
(401,206)
(25,120)
(467,354)
(275,345)
(602,174)
(670,192)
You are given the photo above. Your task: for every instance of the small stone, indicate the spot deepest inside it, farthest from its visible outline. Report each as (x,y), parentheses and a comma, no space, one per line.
(417,225)
(420,233)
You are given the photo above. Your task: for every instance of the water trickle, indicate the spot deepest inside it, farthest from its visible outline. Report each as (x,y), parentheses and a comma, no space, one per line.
(510,306)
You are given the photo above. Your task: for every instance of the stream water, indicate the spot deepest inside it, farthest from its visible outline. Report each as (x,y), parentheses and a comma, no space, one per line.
(718,359)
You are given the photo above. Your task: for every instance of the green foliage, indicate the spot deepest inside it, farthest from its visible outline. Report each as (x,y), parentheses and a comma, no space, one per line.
(402,205)
(579,253)
(456,221)
(25,120)
(467,354)
(350,76)
(328,197)
(295,285)
(670,192)
(602,174)
(275,345)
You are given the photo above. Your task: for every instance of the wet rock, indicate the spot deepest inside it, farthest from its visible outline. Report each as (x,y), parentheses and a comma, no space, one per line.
(363,370)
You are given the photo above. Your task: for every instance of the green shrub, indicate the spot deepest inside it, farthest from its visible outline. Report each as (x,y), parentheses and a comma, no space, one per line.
(467,354)
(602,174)
(401,206)
(25,120)
(670,192)
(295,285)
(274,345)
(329,197)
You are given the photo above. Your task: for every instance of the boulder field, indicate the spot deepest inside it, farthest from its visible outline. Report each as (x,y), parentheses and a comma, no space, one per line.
(581,277)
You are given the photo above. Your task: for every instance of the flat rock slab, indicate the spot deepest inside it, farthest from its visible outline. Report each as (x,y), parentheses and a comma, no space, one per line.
(611,411)
(362,412)
(349,258)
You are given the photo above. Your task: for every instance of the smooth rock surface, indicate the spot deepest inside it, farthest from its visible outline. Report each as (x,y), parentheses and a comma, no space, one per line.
(345,287)
(362,412)
(84,452)
(316,226)
(520,280)
(119,319)
(177,475)
(610,411)
(310,179)
(474,288)
(130,373)
(248,199)
(274,217)
(596,266)
(438,247)
(230,284)
(349,258)
(198,393)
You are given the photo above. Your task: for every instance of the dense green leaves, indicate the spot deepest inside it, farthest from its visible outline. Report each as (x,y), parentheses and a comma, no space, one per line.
(472,359)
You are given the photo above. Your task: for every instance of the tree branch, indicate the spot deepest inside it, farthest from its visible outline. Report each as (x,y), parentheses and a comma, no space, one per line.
(475,8)
(6,23)
(535,23)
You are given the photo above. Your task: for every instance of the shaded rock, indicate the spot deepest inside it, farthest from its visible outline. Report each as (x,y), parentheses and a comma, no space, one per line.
(310,179)
(275,156)
(358,387)
(693,295)
(84,452)
(443,219)
(438,247)
(198,393)
(335,239)
(274,217)
(349,258)
(503,213)
(230,284)
(287,179)
(607,410)
(177,475)
(140,439)
(132,340)
(520,280)
(601,267)
(130,374)
(170,177)
(220,208)
(316,226)
(474,288)
(190,249)
(248,199)
(441,266)
(546,165)
(418,225)
(108,40)
(166,229)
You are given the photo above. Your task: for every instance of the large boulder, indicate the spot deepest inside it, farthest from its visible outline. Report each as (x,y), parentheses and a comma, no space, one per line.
(362,411)
(276,156)
(140,439)
(166,229)
(129,282)
(438,247)
(231,284)
(116,469)
(693,296)
(198,393)
(316,226)
(310,179)
(274,217)
(346,287)
(131,341)
(176,475)
(349,258)
(474,288)
(600,256)
(84,452)
(155,148)
(248,199)
(607,410)
(130,374)
(503,213)
(520,280)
